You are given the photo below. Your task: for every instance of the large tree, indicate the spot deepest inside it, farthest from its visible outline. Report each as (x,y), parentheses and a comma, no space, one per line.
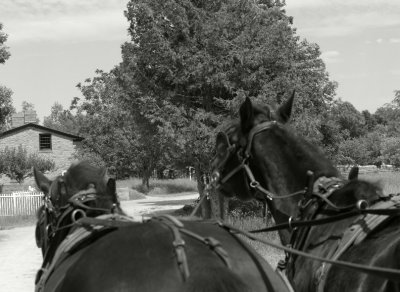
(117,131)
(193,62)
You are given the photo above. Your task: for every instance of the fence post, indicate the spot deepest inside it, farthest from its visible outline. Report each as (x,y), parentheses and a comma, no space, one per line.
(14,203)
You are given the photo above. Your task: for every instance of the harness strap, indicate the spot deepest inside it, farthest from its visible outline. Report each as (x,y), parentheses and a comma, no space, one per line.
(62,252)
(70,242)
(387,273)
(114,220)
(213,244)
(179,244)
(354,235)
(177,227)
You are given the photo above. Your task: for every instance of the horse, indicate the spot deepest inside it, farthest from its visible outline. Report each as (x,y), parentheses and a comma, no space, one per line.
(260,155)
(90,244)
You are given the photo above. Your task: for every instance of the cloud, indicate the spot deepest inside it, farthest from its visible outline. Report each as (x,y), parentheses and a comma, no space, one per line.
(347,3)
(330,57)
(56,20)
(395,72)
(381,40)
(323,18)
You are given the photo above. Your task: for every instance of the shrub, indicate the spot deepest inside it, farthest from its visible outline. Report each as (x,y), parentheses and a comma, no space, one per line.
(17,163)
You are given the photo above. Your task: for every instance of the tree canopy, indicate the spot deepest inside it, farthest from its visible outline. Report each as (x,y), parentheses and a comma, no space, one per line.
(190,63)
(61,119)
(6,107)
(4,51)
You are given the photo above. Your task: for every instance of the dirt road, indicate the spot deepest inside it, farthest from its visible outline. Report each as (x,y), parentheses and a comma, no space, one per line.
(20,258)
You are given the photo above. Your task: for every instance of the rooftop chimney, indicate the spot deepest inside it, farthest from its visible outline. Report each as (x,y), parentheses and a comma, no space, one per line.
(22,118)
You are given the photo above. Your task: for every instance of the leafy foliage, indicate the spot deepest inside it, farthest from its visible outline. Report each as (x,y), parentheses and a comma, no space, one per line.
(61,120)
(4,52)
(6,107)
(17,163)
(189,65)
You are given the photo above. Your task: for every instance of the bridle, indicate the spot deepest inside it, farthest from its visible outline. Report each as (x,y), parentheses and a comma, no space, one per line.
(243,153)
(76,207)
(320,188)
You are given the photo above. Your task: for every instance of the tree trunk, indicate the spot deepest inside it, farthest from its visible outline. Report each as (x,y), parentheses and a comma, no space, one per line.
(145,182)
(219,205)
(146,174)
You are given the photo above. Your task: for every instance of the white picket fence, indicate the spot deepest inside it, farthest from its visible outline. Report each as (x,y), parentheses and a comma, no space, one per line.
(20,203)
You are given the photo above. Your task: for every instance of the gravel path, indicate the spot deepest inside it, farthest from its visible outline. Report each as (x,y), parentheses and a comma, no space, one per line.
(20,258)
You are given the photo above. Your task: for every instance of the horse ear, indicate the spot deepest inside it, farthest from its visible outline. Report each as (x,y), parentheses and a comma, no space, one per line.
(285,110)
(42,181)
(353,174)
(246,115)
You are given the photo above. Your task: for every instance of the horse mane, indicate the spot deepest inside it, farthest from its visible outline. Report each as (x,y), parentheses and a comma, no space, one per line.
(306,151)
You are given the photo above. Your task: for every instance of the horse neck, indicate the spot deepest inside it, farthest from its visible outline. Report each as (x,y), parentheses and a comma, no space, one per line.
(281,166)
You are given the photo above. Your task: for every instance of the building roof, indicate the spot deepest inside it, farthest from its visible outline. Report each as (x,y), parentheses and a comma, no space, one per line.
(41,128)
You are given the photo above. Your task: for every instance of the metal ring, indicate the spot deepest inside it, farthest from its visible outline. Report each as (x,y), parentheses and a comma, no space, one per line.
(254,184)
(362,204)
(77,214)
(290,222)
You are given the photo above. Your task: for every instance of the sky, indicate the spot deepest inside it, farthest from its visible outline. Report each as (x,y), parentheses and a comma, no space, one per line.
(360,44)
(55,44)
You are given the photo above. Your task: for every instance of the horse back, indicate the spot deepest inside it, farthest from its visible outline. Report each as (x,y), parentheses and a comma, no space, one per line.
(143,256)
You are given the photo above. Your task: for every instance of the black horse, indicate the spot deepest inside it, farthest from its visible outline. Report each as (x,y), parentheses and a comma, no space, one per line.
(261,156)
(90,245)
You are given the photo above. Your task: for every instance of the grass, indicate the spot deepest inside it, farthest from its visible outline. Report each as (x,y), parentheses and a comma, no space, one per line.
(389,181)
(270,254)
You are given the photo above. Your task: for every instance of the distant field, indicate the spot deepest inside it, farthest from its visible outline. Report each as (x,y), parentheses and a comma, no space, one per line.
(389,181)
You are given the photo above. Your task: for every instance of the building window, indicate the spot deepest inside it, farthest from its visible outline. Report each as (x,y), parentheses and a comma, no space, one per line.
(45,141)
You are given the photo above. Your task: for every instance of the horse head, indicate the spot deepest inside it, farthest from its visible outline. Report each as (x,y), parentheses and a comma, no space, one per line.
(83,190)
(228,176)
(262,152)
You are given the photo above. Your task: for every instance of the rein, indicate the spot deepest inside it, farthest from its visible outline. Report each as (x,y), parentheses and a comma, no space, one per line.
(387,273)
